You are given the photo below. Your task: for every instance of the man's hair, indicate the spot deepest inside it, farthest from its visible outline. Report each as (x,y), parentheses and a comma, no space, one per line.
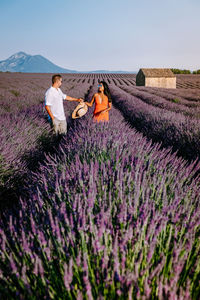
(55,78)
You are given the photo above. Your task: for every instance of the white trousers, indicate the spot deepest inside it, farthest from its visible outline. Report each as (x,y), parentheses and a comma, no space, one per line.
(59,126)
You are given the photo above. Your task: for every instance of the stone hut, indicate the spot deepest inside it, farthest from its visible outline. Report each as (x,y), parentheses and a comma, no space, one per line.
(163,78)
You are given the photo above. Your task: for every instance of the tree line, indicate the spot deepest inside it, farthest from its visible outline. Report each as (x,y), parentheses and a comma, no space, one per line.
(179,71)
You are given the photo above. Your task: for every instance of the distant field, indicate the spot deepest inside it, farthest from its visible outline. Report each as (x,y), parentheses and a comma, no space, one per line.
(110,211)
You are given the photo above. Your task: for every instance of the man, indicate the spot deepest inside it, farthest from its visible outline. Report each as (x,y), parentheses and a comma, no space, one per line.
(54,105)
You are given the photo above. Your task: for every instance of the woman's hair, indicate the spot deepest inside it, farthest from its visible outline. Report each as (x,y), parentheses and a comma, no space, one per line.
(106,90)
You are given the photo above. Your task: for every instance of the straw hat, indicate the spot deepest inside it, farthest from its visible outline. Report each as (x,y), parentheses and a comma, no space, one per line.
(80,110)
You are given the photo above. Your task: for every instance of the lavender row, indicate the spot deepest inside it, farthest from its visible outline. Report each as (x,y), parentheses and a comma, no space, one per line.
(187,97)
(111,216)
(162,102)
(188,81)
(172,129)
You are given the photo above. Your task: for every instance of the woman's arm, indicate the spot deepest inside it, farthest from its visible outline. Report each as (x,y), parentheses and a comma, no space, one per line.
(90,103)
(109,106)
(107,109)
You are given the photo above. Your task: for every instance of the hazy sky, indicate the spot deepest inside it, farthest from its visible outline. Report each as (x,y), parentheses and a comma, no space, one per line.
(108,34)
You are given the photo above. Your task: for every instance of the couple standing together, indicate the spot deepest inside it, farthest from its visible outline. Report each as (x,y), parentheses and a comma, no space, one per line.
(54,104)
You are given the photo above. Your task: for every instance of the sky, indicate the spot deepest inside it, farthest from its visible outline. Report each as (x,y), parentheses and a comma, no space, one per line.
(86,35)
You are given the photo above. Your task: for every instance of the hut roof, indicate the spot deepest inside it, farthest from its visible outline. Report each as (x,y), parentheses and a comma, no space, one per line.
(157,72)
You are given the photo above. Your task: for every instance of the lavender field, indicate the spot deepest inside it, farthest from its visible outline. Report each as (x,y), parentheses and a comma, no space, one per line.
(109,211)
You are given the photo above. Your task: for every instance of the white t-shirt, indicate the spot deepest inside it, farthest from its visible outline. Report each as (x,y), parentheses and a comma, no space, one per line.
(54,98)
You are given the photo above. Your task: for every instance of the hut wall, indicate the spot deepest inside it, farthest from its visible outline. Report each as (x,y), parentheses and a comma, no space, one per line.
(162,82)
(140,79)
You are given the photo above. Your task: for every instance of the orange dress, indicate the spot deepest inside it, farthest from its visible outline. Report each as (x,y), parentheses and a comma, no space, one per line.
(99,106)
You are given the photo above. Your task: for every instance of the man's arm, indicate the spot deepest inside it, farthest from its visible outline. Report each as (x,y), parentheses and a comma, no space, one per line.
(49,111)
(74,99)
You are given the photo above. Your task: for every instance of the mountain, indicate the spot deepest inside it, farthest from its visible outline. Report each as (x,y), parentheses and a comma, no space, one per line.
(22,62)
(111,72)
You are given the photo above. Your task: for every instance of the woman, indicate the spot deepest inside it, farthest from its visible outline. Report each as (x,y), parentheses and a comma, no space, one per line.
(103,103)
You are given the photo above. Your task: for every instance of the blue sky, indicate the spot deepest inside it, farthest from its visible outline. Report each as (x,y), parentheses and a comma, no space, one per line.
(108,34)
